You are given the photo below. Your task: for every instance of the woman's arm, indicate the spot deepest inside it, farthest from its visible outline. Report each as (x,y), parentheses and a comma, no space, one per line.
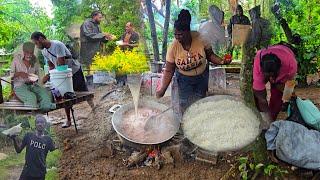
(20,74)
(261,100)
(166,78)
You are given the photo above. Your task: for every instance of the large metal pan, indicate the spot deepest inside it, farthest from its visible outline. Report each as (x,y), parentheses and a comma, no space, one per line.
(117,119)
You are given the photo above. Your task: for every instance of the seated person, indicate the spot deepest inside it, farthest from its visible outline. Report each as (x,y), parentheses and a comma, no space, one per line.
(130,38)
(29,92)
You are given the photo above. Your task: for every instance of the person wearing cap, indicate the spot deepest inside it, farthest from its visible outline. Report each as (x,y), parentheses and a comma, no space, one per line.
(188,57)
(26,89)
(277,65)
(37,146)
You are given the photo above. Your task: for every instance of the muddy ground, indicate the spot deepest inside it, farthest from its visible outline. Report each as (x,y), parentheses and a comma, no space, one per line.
(87,154)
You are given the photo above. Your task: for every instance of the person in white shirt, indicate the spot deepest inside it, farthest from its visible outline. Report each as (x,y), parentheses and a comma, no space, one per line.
(56,53)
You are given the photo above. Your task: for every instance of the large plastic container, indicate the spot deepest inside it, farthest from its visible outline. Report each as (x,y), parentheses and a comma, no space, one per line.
(62,80)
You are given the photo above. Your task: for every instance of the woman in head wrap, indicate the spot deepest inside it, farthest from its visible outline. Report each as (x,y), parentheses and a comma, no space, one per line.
(24,69)
(188,57)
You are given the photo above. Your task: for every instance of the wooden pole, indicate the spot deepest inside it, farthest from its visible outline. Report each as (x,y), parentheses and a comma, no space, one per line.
(153,31)
(1,95)
(166,29)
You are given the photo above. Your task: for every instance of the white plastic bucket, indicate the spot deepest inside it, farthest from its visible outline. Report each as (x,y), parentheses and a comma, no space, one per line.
(62,80)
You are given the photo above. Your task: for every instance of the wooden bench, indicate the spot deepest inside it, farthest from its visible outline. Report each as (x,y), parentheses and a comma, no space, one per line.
(18,107)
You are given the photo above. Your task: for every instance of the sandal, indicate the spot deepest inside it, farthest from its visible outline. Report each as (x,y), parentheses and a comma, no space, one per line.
(66,125)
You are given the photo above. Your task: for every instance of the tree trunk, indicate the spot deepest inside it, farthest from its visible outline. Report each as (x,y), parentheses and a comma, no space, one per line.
(156,23)
(142,38)
(166,29)
(1,95)
(246,74)
(153,31)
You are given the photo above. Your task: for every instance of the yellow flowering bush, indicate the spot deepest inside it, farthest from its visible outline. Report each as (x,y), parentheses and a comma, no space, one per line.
(121,62)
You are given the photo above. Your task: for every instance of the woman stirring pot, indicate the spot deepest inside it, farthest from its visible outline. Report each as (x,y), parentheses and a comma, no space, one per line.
(188,58)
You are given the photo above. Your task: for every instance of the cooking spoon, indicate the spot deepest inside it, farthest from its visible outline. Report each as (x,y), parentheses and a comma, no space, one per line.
(154,119)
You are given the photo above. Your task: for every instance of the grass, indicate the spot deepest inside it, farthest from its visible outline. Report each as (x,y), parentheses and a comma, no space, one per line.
(12,160)
(15,159)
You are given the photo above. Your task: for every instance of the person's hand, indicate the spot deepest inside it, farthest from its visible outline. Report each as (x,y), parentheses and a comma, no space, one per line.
(13,137)
(227,59)
(22,75)
(266,120)
(109,36)
(160,93)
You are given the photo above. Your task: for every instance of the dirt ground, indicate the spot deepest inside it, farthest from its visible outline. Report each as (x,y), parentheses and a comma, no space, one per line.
(87,154)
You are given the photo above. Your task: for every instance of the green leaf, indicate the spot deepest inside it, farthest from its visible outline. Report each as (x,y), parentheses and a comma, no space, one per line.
(258,166)
(243,160)
(251,165)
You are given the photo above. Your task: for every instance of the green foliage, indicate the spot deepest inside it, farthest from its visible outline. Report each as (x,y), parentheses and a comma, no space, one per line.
(250,170)
(303,18)
(205,4)
(65,11)
(6,91)
(53,159)
(18,20)
(52,174)
(12,160)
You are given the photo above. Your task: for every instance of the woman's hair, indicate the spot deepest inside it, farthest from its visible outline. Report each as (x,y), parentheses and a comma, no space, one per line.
(183,21)
(270,63)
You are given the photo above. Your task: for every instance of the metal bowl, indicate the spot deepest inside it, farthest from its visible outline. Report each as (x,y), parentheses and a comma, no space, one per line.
(117,120)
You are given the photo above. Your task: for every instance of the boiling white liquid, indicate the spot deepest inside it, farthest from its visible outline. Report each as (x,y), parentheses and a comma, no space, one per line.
(133,127)
(134,83)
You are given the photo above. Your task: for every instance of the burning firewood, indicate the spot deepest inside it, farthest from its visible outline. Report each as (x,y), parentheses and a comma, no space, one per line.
(136,158)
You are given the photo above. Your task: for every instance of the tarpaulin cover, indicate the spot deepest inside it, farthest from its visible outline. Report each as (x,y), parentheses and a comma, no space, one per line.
(294,144)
